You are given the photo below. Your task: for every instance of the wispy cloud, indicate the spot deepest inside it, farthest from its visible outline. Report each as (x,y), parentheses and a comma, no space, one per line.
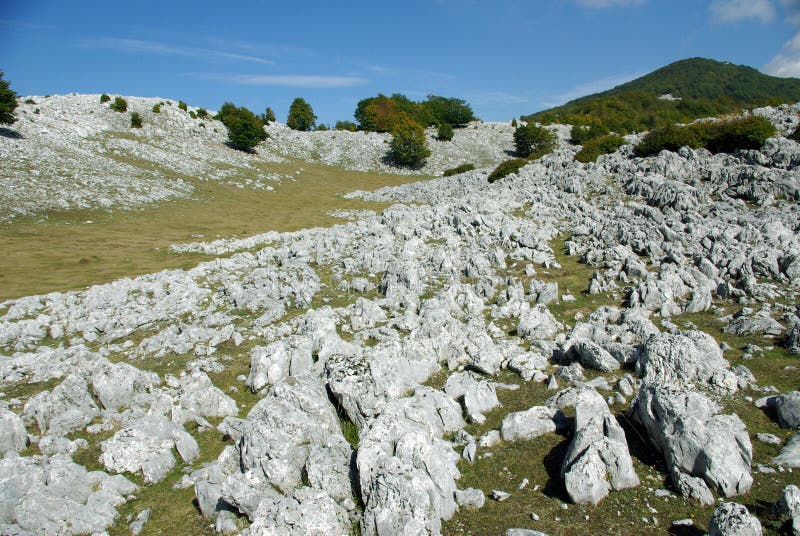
(787,62)
(602,4)
(310,81)
(588,88)
(167,49)
(723,11)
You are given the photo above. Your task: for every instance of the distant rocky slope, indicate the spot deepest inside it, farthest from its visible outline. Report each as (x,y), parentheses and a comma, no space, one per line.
(72,152)
(342,368)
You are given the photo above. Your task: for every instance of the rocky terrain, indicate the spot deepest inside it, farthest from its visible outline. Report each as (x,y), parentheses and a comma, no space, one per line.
(383,375)
(69,152)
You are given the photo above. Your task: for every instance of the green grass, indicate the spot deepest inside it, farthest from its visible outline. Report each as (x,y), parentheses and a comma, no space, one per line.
(129,243)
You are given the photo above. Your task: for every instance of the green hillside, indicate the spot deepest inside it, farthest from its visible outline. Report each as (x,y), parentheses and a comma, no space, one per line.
(705,87)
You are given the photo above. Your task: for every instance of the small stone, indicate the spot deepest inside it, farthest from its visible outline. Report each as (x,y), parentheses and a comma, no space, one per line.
(499,495)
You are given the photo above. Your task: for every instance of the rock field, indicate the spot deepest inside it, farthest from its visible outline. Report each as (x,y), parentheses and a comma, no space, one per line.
(72,152)
(342,368)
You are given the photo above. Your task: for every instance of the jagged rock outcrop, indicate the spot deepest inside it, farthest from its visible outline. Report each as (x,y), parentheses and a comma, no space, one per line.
(695,439)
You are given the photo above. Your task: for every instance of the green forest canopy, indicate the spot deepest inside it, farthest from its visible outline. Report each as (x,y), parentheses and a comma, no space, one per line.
(705,88)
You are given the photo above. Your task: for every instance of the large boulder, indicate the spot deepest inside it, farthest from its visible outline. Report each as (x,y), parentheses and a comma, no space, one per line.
(475,394)
(407,473)
(54,495)
(597,460)
(146,445)
(538,323)
(685,359)
(687,428)
(531,423)
(733,519)
(68,407)
(789,456)
(13,437)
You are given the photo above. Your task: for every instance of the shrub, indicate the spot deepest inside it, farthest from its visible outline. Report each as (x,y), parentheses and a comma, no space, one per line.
(514,123)
(182,106)
(408,147)
(136,120)
(157,108)
(735,134)
(444,132)
(322,127)
(725,136)
(104,98)
(268,116)
(30,101)
(596,146)
(463,168)
(580,134)
(245,130)
(507,168)
(346,125)
(37,111)
(119,105)
(454,112)
(8,102)
(201,113)
(533,142)
(301,115)
(192,114)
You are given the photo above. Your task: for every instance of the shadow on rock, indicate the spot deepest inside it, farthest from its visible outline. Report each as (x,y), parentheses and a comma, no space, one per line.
(13,134)
(554,487)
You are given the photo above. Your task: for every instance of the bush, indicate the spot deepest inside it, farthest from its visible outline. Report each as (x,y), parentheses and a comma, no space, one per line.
(268,116)
(182,105)
(408,147)
(201,113)
(322,127)
(192,114)
(119,105)
(245,130)
(514,123)
(732,135)
(580,134)
(725,136)
(104,98)
(382,113)
(157,108)
(463,168)
(507,168)
(30,101)
(37,111)
(346,125)
(533,142)
(301,115)
(602,145)
(136,120)
(454,112)
(444,132)
(8,102)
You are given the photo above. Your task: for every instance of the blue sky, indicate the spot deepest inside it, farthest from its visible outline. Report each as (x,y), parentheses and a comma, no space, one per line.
(505,57)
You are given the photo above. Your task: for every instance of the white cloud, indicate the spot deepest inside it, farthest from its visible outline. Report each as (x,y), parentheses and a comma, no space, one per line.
(736,10)
(602,4)
(312,81)
(787,62)
(156,47)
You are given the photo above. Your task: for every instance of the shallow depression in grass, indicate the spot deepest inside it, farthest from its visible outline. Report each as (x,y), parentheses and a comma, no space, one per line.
(64,251)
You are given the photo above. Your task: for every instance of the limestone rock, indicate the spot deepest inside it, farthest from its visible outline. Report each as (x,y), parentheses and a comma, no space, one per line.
(732,519)
(694,438)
